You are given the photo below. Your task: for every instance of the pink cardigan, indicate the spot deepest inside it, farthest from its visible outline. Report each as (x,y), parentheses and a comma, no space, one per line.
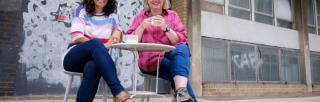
(148,60)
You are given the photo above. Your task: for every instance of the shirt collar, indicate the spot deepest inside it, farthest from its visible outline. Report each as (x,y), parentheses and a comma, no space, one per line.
(148,13)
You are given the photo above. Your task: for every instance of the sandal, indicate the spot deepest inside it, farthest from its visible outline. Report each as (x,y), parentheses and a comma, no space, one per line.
(122,99)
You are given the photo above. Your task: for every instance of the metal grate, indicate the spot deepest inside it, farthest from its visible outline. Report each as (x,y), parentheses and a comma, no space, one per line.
(243,66)
(225,61)
(315,67)
(269,70)
(290,66)
(214,59)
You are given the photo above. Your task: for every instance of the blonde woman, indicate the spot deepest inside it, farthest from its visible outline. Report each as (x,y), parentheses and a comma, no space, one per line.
(157,24)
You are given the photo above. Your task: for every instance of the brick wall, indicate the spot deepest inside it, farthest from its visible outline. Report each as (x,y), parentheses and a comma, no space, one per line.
(10,41)
(181,7)
(316,88)
(226,90)
(212,7)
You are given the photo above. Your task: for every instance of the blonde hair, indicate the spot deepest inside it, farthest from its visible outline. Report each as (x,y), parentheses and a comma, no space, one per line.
(166,5)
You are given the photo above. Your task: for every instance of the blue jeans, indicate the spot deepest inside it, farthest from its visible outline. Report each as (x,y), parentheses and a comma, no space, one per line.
(93,59)
(176,62)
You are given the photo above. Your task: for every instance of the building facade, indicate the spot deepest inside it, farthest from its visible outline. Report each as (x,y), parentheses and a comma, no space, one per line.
(239,47)
(259,47)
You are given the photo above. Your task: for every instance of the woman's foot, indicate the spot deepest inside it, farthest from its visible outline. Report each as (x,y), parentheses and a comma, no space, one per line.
(182,95)
(123,97)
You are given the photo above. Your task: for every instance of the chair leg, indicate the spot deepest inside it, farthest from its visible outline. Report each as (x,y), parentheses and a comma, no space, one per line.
(149,88)
(66,95)
(147,81)
(104,90)
(145,87)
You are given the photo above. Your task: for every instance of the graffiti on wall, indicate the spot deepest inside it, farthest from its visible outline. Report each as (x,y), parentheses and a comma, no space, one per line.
(45,40)
(247,60)
(63,14)
(46,26)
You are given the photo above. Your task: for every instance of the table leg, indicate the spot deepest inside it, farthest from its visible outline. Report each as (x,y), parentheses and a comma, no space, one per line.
(135,60)
(157,80)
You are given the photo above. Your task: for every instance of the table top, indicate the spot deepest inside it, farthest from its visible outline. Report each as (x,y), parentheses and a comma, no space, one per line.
(143,47)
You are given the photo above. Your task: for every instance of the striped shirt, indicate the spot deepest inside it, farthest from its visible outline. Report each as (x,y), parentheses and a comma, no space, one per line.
(98,26)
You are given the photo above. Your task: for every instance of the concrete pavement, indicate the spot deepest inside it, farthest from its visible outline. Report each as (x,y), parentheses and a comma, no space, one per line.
(298,99)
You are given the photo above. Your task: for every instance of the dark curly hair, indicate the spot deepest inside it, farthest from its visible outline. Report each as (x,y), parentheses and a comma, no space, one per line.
(111,7)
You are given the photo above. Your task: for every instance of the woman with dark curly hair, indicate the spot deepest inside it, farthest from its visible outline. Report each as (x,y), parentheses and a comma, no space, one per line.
(94,28)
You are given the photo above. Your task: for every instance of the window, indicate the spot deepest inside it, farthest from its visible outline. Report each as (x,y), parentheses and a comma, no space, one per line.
(269,69)
(216,1)
(290,65)
(240,9)
(240,3)
(284,13)
(214,55)
(224,61)
(314,16)
(240,13)
(272,12)
(264,11)
(243,62)
(284,23)
(315,67)
(254,63)
(311,17)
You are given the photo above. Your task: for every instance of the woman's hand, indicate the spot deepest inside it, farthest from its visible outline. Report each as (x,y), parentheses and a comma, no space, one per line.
(108,44)
(115,38)
(146,23)
(159,22)
(81,40)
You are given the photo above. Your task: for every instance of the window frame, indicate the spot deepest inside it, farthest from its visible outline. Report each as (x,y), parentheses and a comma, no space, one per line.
(312,68)
(316,26)
(272,15)
(283,78)
(281,53)
(252,11)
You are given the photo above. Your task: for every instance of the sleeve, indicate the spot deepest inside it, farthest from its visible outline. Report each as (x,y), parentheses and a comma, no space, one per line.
(135,24)
(77,10)
(78,23)
(179,28)
(116,25)
(77,28)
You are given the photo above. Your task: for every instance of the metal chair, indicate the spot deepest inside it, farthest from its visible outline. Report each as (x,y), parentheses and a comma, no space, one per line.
(147,84)
(71,76)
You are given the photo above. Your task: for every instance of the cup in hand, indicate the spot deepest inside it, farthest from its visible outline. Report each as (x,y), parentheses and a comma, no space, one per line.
(153,20)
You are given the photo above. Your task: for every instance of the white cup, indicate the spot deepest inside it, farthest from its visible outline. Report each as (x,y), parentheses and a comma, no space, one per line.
(152,22)
(130,38)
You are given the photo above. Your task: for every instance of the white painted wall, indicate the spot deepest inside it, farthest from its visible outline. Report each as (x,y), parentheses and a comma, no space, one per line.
(314,41)
(46,39)
(230,28)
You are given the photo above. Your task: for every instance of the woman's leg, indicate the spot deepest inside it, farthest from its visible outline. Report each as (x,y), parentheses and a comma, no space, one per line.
(95,51)
(180,66)
(90,83)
